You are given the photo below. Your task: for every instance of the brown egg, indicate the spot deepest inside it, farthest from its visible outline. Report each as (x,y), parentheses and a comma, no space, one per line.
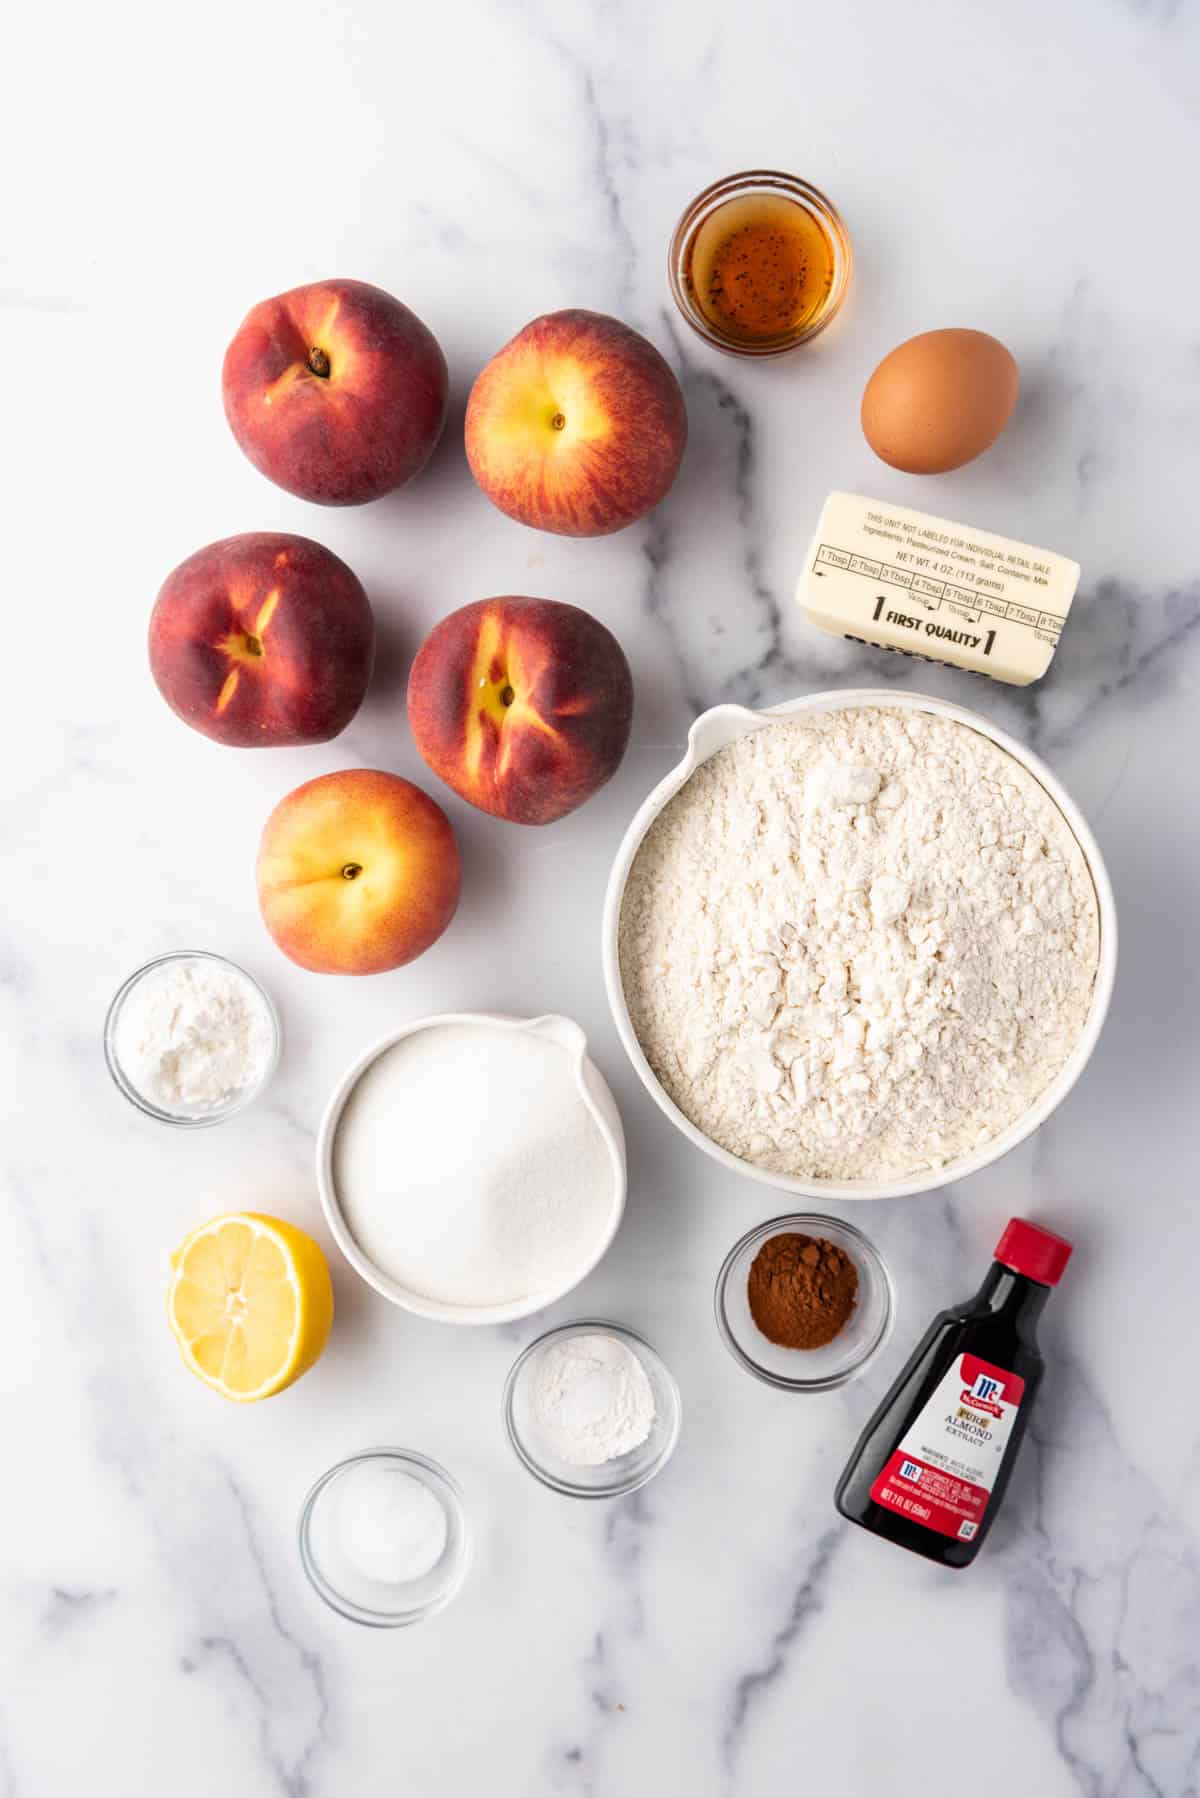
(939,400)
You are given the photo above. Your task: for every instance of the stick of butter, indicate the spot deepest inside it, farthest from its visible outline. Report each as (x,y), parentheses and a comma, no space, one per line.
(883,574)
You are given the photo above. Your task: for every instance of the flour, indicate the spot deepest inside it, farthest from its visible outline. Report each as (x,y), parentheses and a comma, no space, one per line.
(471,1169)
(859,944)
(192,1034)
(592,1399)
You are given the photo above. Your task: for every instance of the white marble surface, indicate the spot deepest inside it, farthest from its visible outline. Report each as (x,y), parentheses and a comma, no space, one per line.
(1026,169)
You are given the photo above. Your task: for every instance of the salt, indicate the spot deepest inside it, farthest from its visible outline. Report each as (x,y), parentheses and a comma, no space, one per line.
(389,1525)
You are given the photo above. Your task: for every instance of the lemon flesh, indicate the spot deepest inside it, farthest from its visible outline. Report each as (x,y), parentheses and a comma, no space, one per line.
(250,1304)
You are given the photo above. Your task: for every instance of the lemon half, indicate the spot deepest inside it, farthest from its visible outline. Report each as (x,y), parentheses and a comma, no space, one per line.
(250,1304)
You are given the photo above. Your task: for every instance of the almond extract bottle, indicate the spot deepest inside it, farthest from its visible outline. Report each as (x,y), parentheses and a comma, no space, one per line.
(932,1465)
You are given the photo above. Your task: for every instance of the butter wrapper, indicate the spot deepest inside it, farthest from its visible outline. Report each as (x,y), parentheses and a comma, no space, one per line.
(900,579)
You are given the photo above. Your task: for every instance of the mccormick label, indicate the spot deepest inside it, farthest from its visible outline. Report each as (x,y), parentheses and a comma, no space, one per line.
(942,1471)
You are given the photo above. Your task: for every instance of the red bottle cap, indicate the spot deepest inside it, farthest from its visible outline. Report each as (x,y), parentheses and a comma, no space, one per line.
(1028,1249)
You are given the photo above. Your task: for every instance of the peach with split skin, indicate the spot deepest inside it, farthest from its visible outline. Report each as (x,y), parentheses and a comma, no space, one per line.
(265,640)
(358,872)
(576,426)
(335,391)
(523,706)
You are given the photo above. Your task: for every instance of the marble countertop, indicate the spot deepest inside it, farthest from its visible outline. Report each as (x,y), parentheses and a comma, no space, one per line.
(1026,170)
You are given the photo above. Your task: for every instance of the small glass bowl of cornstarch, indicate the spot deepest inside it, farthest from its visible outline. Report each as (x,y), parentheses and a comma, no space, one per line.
(591,1410)
(191,1039)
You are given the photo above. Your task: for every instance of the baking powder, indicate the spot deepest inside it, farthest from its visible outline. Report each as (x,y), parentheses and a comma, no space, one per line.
(592,1399)
(859,944)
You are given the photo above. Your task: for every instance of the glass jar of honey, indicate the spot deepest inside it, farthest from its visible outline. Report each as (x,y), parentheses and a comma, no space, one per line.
(759,263)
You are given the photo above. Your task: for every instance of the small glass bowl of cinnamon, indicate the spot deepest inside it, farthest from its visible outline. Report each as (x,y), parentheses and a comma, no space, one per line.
(759,263)
(804,1302)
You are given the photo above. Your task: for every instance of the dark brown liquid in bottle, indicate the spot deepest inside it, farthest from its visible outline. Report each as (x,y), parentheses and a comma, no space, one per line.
(760,269)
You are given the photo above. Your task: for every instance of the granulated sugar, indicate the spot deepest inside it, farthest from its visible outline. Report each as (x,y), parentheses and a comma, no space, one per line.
(470,1167)
(859,944)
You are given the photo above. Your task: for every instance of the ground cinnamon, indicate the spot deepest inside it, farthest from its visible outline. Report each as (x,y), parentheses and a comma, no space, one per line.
(801,1290)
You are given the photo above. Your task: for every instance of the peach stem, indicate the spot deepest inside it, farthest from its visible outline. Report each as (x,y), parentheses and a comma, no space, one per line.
(318,363)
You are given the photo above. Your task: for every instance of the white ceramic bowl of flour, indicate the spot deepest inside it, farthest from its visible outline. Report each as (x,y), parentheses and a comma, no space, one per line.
(723,725)
(380,1178)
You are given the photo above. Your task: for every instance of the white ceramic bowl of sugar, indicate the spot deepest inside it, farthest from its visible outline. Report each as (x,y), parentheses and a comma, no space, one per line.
(725,724)
(595,1096)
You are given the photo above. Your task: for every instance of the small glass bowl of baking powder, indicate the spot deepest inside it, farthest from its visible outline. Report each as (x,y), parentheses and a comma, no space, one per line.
(585,1386)
(191,1039)
(384,1538)
(835,1362)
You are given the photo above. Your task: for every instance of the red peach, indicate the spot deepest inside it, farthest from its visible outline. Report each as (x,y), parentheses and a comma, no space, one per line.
(523,706)
(263,640)
(335,391)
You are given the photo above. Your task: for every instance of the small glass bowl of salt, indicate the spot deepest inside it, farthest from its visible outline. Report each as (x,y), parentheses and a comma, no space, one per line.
(384,1537)
(591,1410)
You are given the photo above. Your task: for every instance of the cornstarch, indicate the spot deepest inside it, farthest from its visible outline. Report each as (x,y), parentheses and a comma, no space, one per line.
(859,944)
(192,1034)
